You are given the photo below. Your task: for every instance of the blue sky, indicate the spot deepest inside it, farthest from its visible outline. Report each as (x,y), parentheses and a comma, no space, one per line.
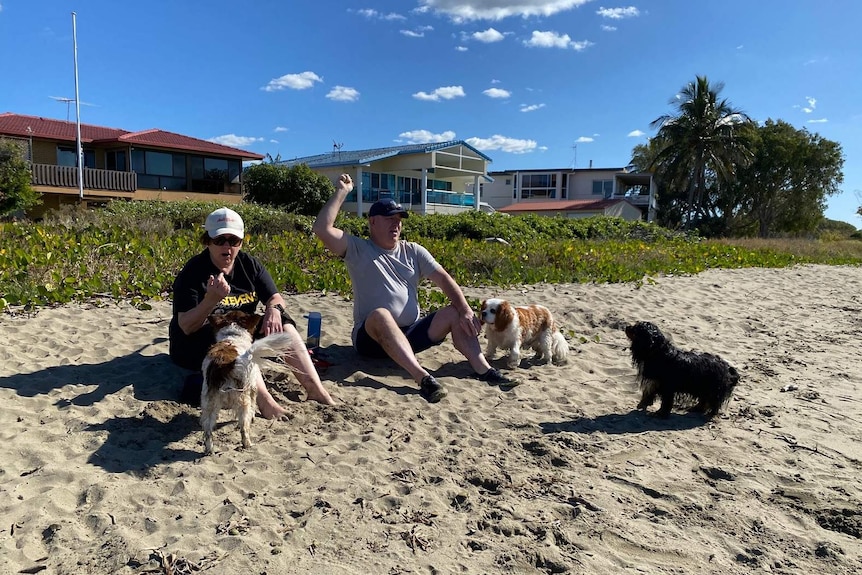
(531,83)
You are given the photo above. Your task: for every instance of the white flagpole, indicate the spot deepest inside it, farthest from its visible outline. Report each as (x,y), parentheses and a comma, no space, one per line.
(80,149)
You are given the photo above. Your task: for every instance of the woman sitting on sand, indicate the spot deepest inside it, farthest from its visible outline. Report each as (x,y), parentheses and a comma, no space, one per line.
(223,277)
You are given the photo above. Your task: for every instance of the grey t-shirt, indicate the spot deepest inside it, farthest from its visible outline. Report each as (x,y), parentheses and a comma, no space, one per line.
(386,278)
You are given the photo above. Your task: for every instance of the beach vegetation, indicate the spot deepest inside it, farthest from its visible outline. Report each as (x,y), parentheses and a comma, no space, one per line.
(133,251)
(16,193)
(296,189)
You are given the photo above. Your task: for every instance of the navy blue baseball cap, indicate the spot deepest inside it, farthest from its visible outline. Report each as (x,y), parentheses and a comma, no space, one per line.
(387,207)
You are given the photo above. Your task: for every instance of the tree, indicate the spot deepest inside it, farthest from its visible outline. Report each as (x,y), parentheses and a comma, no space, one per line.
(296,189)
(784,188)
(16,193)
(698,149)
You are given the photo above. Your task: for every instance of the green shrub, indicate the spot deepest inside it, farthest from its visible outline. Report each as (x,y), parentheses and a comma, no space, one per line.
(134,250)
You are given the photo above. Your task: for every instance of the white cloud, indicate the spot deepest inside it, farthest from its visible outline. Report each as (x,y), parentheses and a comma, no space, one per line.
(372,14)
(543,148)
(442,93)
(494,81)
(531,107)
(301,81)
(280,129)
(271,141)
(497,93)
(636,134)
(426,137)
(234,141)
(607,28)
(618,13)
(552,39)
(463,10)
(584,140)
(461,48)
(418,32)
(488,36)
(812,103)
(343,94)
(548,40)
(820,121)
(498,142)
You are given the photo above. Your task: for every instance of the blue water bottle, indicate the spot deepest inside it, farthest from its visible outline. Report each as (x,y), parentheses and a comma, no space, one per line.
(313,339)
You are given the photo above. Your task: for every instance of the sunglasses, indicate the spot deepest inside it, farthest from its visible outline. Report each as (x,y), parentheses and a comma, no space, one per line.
(233,241)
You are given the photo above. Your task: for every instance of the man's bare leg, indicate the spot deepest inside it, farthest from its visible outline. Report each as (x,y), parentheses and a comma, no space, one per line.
(382,328)
(447,320)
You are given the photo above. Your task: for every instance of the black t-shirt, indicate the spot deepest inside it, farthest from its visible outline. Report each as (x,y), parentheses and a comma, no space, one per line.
(249,282)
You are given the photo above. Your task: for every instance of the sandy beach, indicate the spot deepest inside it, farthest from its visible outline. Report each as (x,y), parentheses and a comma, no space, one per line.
(102,470)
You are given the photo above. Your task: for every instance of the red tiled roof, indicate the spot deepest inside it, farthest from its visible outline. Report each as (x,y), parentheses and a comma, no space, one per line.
(17,125)
(561,206)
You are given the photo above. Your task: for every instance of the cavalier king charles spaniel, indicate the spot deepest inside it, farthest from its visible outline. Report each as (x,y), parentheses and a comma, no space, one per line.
(231,370)
(515,327)
(702,382)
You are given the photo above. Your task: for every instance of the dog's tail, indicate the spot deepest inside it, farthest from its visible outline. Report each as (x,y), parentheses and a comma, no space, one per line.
(275,344)
(559,348)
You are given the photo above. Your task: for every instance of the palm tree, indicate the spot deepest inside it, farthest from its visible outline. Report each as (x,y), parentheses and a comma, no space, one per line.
(701,144)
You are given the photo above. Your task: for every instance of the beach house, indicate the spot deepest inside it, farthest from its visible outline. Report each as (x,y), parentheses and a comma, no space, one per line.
(148,165)
(452,177)
(573,193)
(444,177)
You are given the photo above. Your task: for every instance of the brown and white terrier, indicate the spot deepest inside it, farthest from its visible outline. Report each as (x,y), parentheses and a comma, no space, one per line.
(231,370)
(513,328)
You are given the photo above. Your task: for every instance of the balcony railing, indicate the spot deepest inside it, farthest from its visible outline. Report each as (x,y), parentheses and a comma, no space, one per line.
(67,177)
(637,200)
(415,198)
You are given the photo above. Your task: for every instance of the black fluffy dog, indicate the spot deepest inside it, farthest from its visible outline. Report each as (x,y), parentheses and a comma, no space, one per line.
(700,381)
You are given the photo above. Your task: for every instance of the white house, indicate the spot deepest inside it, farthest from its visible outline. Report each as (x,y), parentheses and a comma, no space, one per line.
(443,177)
(580,192)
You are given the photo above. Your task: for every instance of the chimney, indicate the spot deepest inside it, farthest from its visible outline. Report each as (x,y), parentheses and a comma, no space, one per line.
(591,164)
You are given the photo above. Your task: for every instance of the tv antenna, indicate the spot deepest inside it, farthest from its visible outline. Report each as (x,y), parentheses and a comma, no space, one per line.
(575,159)
(336,146)
(68,102)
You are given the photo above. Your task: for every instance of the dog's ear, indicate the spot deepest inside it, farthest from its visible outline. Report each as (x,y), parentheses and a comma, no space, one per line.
(217,320)
(249,322)
(504,317)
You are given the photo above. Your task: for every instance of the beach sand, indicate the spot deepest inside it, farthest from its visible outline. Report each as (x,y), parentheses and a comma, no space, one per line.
(102,470)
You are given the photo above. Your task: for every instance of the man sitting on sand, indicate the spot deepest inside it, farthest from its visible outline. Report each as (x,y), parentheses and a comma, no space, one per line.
(385,272)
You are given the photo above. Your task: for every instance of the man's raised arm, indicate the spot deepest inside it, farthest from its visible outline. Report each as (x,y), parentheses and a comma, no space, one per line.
(324,226)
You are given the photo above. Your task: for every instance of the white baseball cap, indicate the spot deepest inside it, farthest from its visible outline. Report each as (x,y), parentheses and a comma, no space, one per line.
(224,221)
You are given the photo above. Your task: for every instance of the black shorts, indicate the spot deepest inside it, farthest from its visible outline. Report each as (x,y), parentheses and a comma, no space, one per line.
(285,320)
(417,335)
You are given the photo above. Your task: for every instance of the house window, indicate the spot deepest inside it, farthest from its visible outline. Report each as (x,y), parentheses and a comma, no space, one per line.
(209,175)
(115,160)
(67,156)
(538,186)
(159,170)
(604,188)
(508,181)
